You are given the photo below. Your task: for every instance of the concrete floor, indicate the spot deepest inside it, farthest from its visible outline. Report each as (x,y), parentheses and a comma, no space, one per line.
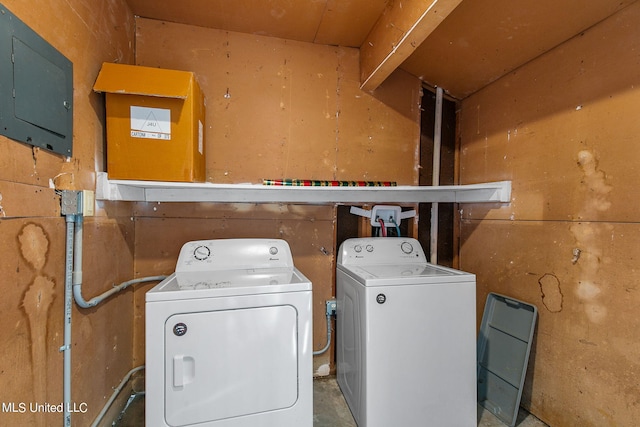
(525,419)
(329,410)
(329,407)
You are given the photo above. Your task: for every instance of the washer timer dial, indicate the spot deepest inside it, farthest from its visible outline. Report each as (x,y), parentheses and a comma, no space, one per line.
(201,253)
(406,247)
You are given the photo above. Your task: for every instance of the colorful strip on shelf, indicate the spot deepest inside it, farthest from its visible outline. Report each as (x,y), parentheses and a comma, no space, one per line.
(321,183)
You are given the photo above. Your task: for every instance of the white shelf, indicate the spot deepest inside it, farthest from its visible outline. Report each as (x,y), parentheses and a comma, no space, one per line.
(155,191)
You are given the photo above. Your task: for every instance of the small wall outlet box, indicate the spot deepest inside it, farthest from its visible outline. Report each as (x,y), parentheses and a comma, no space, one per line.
(387,214)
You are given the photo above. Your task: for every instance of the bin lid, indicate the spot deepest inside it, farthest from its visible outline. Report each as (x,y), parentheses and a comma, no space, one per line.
(504,345)
(139,80)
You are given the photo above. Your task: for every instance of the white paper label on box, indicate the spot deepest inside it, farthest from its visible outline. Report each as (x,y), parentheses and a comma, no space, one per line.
(150,123)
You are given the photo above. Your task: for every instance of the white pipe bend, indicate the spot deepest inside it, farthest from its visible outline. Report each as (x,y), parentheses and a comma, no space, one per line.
(73,290)
(116,391)
(77,274)
(326,347)
(77,291)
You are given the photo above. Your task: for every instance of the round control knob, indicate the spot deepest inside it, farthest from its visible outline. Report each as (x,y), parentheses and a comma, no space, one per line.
(201,253)
(273,250)
(406,247)
(369,248)
(357,248)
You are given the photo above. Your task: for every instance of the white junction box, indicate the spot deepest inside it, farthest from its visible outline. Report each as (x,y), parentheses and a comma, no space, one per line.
(390,215)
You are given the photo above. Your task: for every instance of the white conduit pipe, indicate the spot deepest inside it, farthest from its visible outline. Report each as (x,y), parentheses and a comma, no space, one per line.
(73,290)
(77,275)
(68,302)
(116,391)
(437,137)
(326,347)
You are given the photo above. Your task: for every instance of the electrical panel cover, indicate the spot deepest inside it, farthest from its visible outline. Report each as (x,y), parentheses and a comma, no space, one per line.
(36,88)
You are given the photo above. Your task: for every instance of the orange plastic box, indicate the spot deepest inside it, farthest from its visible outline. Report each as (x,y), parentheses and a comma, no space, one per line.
(155,123)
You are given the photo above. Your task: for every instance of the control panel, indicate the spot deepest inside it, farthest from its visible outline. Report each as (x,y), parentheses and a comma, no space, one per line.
(381,250)
(234,254)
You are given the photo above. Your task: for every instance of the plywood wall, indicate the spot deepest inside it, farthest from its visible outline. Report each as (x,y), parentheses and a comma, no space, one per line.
(564,129)
(283,109)
(32,234)
(276,109)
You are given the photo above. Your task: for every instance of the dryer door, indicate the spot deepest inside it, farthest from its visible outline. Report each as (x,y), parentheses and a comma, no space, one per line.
(230,363)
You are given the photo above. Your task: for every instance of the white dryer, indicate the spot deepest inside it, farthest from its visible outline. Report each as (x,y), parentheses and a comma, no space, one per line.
(229,338)
(406,336)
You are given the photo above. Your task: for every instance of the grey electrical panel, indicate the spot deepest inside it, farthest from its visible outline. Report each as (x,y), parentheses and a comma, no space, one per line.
(36,88)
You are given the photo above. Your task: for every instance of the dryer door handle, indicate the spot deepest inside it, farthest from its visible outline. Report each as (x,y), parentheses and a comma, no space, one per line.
(183,370)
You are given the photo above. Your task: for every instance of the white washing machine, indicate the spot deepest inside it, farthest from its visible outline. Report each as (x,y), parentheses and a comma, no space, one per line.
(229,338)
(406,336)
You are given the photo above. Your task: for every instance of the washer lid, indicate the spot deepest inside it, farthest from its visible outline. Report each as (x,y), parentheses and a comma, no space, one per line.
(405,274)
(212,284)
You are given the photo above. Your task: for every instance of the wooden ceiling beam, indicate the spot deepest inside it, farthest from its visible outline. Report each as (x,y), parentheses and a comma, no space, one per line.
(402,27)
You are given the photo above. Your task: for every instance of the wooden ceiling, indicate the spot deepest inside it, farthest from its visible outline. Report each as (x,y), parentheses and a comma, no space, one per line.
(459,45)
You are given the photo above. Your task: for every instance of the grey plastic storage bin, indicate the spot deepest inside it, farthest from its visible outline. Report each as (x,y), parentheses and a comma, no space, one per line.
(504,344)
